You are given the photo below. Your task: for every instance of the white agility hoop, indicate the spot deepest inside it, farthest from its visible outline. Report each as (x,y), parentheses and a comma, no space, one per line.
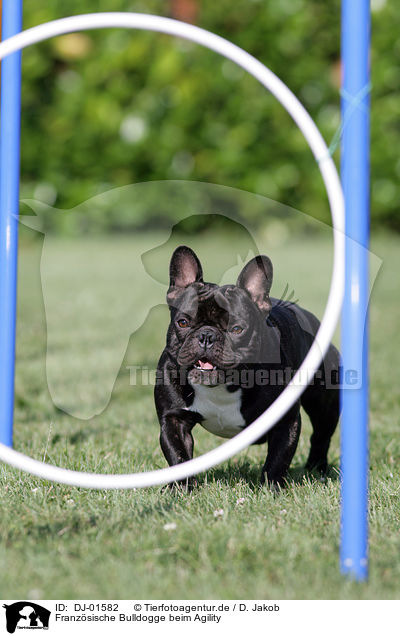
(335,196)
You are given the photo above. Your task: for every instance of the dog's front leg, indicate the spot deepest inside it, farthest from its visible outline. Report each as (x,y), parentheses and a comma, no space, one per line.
(176,439)
(177,443)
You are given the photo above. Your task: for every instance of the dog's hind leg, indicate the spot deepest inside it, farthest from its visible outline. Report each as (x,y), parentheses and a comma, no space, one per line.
(282,443)
(322,407)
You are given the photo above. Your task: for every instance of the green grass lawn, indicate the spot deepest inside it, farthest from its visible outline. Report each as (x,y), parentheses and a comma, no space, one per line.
(63,542)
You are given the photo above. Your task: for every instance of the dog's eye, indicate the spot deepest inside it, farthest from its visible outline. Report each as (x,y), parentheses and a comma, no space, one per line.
(237,329)
(183,323)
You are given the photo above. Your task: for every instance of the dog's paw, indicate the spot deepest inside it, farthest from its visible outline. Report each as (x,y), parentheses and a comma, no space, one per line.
(320,468)
(274,485)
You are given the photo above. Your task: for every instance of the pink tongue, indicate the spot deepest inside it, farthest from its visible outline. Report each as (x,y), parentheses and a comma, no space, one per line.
(205,365)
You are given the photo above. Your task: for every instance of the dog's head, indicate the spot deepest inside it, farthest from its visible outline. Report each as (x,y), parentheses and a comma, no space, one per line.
(214,329)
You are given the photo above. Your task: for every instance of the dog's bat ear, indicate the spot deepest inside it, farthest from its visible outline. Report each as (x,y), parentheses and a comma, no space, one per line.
(185,268)
(256,279)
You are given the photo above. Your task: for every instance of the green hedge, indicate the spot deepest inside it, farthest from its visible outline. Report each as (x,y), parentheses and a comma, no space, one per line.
(110,108)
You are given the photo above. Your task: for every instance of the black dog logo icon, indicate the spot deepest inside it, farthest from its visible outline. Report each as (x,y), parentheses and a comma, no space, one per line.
(26,615)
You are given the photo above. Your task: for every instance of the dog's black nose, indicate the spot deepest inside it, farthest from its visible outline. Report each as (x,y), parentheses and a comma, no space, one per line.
(206,338)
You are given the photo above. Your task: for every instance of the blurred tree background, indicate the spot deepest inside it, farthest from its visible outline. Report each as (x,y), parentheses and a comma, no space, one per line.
(103,109)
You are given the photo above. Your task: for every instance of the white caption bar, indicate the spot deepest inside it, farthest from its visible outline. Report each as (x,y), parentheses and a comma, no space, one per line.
(212,616)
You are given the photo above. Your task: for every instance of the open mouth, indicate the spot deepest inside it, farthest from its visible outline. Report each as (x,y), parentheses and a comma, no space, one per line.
(204,365)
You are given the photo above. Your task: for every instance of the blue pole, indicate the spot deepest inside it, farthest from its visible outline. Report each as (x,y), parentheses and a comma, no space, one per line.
(9,208)
(355,180)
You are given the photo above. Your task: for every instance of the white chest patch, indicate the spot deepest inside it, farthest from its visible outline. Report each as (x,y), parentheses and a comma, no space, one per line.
(219,408)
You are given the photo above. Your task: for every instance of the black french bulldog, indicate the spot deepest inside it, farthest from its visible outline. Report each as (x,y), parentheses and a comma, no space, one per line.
(230,352)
